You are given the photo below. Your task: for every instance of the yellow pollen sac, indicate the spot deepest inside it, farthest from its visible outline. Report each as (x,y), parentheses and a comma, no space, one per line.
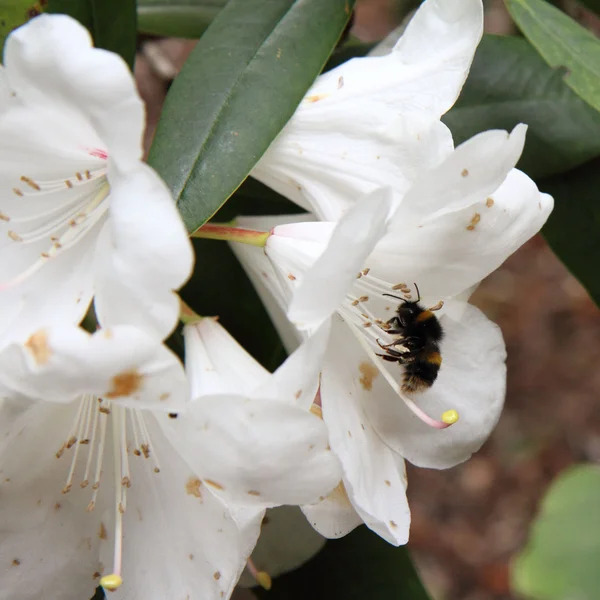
(264,580)
(111,582)
(450,417)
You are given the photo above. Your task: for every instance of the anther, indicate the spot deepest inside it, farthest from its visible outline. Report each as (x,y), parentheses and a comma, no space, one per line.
(450,417)
(262,577)
(111,582)
(30,182)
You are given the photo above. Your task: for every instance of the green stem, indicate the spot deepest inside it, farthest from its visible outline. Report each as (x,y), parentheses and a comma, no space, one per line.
(216,231)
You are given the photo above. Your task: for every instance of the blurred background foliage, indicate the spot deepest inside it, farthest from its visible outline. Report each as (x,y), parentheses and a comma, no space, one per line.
(538,64)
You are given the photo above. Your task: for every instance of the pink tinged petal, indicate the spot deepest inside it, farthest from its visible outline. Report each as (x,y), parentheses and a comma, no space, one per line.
(274,287)
(296,381)
(323,288)
(48,542)
(375,121)
(453,251)
(144,256)
(375,484)
(333,516)
(217,364)
(471,380)
(181,540)
(256,452)
(122,364)
(51,60)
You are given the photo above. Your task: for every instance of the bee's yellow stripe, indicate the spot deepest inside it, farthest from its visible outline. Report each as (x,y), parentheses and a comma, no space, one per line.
(426,314)
(435,358)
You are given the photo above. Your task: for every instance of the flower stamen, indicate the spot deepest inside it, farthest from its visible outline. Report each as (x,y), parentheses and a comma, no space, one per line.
(449,417)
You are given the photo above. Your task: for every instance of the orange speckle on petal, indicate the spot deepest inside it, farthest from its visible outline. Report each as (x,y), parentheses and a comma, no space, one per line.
(368,373)
(125,384)
(192,487)
(102,532)
(37,345)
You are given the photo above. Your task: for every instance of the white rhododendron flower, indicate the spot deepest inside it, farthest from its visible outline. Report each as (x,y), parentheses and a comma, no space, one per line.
(80,214)
(248,431)
(455,225)
(104,463)
(375,121)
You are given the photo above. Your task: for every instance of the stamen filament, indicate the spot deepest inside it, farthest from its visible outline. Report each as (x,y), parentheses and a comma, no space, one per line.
(450,416)
(92,444)
(262,577)
(114,580)
(216,231)
(96,485)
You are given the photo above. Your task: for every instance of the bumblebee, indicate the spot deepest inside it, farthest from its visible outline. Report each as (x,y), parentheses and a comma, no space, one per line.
(417,346)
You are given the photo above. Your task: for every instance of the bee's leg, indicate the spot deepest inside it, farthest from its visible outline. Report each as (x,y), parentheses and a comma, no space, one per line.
(389,358)
(395,321)
(386,346)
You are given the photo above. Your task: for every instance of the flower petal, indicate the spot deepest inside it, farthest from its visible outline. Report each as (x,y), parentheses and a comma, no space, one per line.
(265,279)
(48,542)
(144,255)
(217,364)
(375,121)
(123,364)
(333,516)
(324,286)
(39,300)
(256,452)
(472,380)
(193,546)
(375,485)
(50,60)
(453,251)
(473,171)
(296,381)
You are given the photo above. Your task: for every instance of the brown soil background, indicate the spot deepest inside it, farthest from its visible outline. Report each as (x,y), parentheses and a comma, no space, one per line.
(469,522)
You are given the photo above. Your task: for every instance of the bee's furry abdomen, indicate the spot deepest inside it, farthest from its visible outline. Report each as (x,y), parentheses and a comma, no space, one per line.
(420,374)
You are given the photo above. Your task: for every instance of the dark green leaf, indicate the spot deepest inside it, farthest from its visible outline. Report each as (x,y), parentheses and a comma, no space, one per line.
(509,83)
(563,43)
(359,566)
(237,90)
(573,229)
(593,5)
(219,285)
(179,18)
(562,556)
(112,23)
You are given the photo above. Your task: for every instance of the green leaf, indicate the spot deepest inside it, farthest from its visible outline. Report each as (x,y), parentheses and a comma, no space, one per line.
(13,13)
(508,84)
(573,229)
(563,553)
(179,18)
(358,566)
(238,88)
(220,287)
(563,43)
(112,23)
